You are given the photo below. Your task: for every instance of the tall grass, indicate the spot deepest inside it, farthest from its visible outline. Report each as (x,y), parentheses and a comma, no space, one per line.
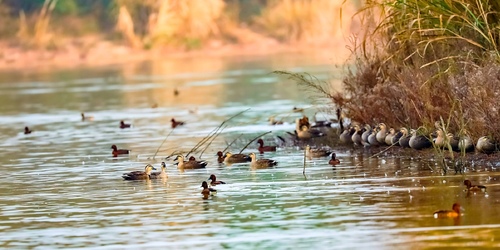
(427,59)
(178,22)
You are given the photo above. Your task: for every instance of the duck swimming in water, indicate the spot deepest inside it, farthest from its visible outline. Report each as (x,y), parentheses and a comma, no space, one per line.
(27,130)
(261,163)
(263,148)
(214,180)
(117,151)
(236,158)
(453,213)
(317,152)
(207,191)
(191,164)
(175,123)
(139,175)
(124,125)
(474,188)
(334,161)
(161,174)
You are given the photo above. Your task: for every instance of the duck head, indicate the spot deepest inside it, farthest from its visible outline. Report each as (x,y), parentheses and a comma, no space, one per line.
(204,185)
(212,177)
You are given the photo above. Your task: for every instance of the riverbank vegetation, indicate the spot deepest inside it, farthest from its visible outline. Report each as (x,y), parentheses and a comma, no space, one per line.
(427,61)
(194,24)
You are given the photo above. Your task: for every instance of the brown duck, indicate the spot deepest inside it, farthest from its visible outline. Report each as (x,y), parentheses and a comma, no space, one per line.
(261,163)
(192,164)
(139,175)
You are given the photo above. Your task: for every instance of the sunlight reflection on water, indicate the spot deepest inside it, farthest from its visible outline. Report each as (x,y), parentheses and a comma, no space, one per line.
(63,189)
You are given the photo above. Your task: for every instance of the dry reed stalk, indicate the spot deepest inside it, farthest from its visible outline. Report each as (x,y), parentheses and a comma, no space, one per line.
(125,25)
(41,35)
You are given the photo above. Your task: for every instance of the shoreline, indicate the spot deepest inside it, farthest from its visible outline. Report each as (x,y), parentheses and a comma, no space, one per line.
(105,53)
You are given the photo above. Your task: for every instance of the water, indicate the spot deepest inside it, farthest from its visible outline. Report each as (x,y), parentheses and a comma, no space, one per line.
(61,188)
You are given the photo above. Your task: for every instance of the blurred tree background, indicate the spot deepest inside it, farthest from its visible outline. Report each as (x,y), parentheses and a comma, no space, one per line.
(187,24)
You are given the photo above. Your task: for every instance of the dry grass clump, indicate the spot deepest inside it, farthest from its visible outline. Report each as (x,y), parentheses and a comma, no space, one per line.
(169,21)
(426,61)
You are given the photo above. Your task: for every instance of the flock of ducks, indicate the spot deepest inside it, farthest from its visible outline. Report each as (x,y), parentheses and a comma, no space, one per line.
(382,135)
(305,131)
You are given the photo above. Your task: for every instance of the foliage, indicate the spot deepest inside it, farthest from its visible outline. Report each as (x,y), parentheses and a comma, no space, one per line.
(425,60)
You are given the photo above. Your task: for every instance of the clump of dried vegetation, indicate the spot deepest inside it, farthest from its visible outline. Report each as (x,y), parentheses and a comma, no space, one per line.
(425,61)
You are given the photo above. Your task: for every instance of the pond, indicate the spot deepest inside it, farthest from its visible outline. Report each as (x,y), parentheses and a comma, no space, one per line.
(62,188)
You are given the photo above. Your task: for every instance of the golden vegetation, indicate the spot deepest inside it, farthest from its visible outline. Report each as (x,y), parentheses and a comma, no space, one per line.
(424,61)
(177,23)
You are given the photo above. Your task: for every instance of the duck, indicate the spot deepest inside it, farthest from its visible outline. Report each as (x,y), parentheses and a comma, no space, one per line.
(273,121)
(305,132)
(87,118)
(220,157)
(317,152)
(117,151)
(382,133)
(390,136)
(486,146)
(261,163)
(236,158)
(440,140)
(453,213)
(395,139)
(356,136)
(161,174)
(418,141)
(372,138)
(176,123)
(124,125)
(27,130)
(364,136)
(474,188)
(263,148)
(453,142)
(214,180)
(465,143)
(295,109)
(334,161)
(139,175)
(207,191)
(193,164)
(346,136)
(404,140)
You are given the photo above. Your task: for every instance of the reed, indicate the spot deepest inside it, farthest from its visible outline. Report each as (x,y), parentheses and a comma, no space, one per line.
(422,60)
